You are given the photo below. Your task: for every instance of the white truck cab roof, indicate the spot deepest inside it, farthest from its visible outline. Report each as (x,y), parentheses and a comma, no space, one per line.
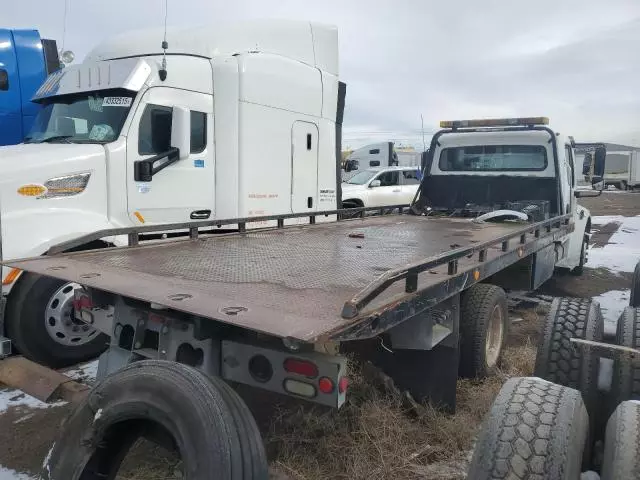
(311,43)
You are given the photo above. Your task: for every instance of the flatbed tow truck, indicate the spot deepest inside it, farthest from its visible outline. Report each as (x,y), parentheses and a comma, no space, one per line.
(418,292)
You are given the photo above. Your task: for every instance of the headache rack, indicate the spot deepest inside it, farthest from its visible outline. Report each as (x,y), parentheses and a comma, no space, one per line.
(342,280)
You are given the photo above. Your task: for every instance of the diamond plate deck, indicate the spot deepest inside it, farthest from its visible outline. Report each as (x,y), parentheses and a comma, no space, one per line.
(291,282)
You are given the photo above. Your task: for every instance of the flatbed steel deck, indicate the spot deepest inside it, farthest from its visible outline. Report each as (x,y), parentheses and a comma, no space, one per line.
(341,280)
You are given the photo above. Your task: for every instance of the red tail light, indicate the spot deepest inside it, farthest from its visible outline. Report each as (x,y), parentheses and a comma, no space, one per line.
(343,384)
(325,385)
(301,367)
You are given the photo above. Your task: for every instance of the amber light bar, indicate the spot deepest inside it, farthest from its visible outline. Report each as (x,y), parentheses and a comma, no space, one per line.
(495,122)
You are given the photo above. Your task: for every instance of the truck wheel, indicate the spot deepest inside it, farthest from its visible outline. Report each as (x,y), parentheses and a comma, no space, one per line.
(626,372)
(579,270)
(560,361)
(634,301)
(207,423)
(622,443)
(484,327)
(41,324)
(535,429)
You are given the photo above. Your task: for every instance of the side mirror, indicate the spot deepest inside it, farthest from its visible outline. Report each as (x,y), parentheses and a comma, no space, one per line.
(181,131)
(374,184)
(4,80)
(586,164)
(350,165)
(598,162)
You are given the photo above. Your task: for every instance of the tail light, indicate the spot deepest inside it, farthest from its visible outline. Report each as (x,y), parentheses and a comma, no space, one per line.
(301,367)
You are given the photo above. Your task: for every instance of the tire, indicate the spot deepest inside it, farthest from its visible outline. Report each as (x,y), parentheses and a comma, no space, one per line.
(26,324)
(534,430)
(561,362)
(207,422)
(484,327)
(579,270)
(625,384)
(623,186)
(634,300)
(353,204)
(622,443)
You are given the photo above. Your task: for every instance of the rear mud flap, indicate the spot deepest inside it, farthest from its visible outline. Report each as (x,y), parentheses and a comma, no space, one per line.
(428,375)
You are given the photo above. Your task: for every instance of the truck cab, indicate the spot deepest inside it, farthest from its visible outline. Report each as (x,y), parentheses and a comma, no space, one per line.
(475,167)
(25,61)
(224,123)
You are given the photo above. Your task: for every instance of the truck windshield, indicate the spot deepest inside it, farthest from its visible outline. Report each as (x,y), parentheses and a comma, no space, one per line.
(91,117)
(493,158)
(362,177)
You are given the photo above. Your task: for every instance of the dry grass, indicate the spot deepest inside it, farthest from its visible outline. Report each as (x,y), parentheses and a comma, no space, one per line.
(374,437)
(148,461)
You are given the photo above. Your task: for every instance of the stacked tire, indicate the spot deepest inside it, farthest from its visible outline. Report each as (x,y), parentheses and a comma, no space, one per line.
(561,361)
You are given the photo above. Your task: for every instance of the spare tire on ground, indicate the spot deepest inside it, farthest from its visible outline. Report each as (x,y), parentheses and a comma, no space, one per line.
(175,404)
(560,361)
(622,443)
(535,429)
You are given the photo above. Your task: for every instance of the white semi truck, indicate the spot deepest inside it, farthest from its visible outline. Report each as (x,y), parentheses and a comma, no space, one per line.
(224,123)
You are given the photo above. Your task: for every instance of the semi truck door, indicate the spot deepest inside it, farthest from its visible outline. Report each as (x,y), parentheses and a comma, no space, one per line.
(304,167)
(184,190)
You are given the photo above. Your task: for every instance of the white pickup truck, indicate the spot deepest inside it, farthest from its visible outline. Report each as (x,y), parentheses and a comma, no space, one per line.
(234,122)
(380,186)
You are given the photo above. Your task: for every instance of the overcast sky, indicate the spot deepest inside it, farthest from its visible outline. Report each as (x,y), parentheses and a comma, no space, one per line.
(575,61)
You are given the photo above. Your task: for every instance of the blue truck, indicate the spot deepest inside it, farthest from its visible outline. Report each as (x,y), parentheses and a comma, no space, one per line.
(25,61)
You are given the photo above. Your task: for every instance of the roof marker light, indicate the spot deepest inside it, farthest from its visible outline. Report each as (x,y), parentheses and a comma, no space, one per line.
(495,122)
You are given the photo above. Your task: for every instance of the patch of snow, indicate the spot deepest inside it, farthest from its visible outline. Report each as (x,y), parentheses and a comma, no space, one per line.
(25,418)
(623,251)
(16,398)
(83,373)
(6,474)
(612,304)
(47,460)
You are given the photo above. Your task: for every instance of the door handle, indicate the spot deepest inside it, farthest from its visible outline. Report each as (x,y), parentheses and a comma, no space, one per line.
(396,191)
(200,214)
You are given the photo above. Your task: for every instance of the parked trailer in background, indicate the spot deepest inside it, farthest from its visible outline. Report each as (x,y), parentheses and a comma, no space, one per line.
(25,61)
(278,309)
(626,175)
(623,165)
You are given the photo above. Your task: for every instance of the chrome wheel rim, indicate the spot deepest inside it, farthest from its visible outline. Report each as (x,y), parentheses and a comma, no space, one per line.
(60,321)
